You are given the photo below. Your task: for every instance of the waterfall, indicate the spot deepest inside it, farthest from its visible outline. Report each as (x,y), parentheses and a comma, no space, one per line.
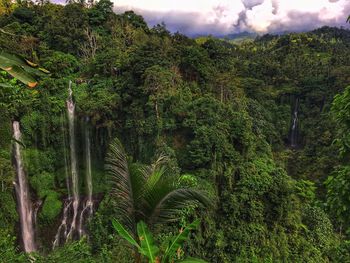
(294,130)
(23,196)
(64,225)
(88,168)
(73,160)
(75,211)
(66,165)
(62,230)
(88,206)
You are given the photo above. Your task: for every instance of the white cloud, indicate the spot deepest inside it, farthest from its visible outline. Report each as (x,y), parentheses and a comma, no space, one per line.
(221,14)
(225,16)
(261,17)
(200,6)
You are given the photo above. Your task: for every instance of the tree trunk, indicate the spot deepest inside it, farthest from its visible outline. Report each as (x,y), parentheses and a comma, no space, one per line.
(156,109)
(2,182)
(221,94)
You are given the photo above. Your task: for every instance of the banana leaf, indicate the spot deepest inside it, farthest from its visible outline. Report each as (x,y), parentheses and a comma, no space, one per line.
(177,242)
(124,233)
(21,69)
(23,76)
(148,247)
(4,85)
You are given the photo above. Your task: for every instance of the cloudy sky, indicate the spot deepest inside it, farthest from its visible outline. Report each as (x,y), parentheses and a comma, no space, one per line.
(219,17)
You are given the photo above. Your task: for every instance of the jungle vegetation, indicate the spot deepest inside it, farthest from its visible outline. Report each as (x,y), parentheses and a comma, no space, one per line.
(204,130)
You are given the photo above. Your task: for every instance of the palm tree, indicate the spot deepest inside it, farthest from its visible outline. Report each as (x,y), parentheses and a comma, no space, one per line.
(147,193)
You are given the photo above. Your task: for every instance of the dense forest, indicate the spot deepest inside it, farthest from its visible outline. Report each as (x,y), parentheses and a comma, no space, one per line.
(125,143)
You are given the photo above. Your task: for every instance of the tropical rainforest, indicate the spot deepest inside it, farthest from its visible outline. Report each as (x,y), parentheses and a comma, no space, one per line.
(125,143)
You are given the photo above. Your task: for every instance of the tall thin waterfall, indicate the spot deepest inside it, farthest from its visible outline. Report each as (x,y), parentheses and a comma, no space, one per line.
(73,160)
(294,130)
(88,168)
(88,206)
(65,154)
(23,196)
(63,229)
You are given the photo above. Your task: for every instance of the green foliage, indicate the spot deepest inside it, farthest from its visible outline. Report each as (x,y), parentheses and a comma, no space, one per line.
(8,205)
(341,253)
(338,185)
(306,190)
(147,192)
(8,210)
(220,110)
(148,248)
(124,233)
(37,161)
(52,207)
(175,243)
(20,68)
(42,183)
(8,250)
(97,102)
(320,228)
(78,251)
(340,109)
(135,20)
(100,12)
(106,245)
(61,64)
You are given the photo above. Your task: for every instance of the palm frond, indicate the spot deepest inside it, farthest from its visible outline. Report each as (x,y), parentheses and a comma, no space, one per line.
(149,184)
(118,169)
(152,181)
(138,181)
(147,192)
(159,163)
(166,200)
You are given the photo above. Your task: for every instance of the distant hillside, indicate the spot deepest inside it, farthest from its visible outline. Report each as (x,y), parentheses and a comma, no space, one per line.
(239,37)
(234,38)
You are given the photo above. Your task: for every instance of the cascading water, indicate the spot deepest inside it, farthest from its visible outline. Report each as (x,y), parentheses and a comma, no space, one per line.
(62,230)
(75,211)
(66,163)
(23,196)
(294,129)
(73,160)
(88,206)
(88,171)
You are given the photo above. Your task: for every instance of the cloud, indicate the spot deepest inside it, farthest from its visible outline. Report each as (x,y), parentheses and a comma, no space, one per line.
(296,15)
(218,17)
(187,16)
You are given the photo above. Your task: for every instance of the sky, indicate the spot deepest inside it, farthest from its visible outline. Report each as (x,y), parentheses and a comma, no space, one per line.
(222,17)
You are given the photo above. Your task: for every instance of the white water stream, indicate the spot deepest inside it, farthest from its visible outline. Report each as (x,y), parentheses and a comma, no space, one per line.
(25,208)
